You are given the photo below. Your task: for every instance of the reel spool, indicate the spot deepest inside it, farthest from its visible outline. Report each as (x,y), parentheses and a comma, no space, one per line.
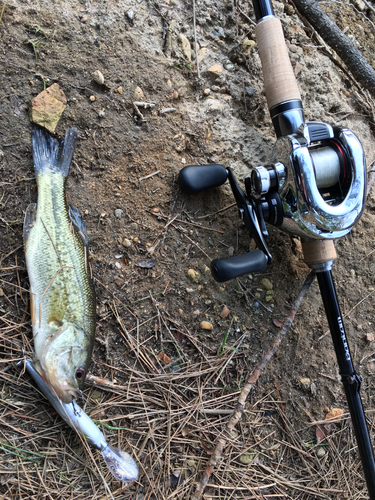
(318,181)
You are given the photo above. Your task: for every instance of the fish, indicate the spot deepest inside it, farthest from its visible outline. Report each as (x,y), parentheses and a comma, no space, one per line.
(118,462)
(62,296)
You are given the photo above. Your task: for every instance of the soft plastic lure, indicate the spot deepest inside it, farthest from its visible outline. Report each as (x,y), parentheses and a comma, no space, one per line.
(119,463)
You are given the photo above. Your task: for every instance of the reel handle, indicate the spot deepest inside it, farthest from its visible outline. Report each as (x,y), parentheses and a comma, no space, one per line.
(196,178)
(233,267)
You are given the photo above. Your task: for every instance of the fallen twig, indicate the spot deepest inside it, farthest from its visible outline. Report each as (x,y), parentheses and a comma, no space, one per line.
(341,44)
(148,176)
(251,381)
(195,41)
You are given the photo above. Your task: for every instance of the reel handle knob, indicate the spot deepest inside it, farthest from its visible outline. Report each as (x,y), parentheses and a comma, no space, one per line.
(196,178)
(233,267)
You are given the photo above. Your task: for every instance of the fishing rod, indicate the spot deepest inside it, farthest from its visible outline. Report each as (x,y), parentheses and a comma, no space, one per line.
(314,187)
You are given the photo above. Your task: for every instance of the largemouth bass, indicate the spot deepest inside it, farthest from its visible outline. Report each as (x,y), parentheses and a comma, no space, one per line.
(119,463)
(61,289)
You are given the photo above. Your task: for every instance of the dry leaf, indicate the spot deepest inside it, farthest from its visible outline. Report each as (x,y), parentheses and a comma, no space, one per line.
(163,357)
(335,414)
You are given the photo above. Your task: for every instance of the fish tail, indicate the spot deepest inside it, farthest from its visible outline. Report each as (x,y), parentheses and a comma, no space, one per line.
(51,154)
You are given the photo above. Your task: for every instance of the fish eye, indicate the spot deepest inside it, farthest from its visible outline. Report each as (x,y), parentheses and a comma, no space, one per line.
(80,373)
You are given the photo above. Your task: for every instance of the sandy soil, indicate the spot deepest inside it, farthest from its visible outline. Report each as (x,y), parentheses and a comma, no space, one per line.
(124,181)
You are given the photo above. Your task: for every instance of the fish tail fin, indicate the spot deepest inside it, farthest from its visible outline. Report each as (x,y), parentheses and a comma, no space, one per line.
(51,154)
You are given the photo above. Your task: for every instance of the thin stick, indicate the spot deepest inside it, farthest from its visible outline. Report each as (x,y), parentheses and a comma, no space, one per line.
(189,223)
(214,213)
(54,246)
(195,40)
(148,176)
(18,277)
(52,280)
(278,393)
(10,253)
(230,357)
(251,381)
(2,12)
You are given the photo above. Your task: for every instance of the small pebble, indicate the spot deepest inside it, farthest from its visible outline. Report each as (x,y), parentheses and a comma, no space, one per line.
(138,94)
(98,77)
(126,243)
(185,46)
(193,276)
(118,265)
(220,32)
(224,313)
(360,5)
(118,213)
(130,14)
(119,90)
(247,46)
(249,91)
(216,69)
(2,292)
(205,325)
(269,297)
(247,458)
(101,114)
(320,452)
(305,383)
(202,53)
(207,91)
(92,98)
(266,283)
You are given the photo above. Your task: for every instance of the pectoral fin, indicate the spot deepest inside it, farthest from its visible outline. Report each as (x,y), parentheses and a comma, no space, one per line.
(29,221)
(78,223)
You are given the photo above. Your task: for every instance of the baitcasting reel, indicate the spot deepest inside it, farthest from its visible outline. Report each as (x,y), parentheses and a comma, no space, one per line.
(314,188)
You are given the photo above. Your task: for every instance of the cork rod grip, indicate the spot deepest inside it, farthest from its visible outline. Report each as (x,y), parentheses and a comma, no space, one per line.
(279,80)
(318,251)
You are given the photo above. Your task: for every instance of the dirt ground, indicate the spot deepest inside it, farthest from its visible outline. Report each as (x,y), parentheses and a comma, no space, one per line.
(174,384)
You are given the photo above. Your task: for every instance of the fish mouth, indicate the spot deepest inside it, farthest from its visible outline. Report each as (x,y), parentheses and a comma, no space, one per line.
(65,391)
(63,387)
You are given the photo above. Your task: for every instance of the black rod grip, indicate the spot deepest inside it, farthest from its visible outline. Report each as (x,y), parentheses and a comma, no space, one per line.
(233,267)
(196,178)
